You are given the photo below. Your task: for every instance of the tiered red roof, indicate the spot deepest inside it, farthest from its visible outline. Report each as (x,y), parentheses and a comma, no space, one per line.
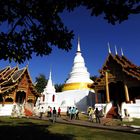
(10,78)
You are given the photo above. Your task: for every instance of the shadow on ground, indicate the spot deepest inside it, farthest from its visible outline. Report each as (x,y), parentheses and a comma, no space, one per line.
(29,131)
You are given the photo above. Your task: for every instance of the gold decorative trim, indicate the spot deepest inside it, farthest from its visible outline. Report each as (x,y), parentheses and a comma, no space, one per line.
(74,86)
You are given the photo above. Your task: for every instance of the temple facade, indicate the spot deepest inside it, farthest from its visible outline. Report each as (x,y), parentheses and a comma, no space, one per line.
(17,92)
(118,86)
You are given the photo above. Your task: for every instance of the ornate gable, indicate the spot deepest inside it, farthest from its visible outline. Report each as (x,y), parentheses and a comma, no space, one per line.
(119,68)
(14,80)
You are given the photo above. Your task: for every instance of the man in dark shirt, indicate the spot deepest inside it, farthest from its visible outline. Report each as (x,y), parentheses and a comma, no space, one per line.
(54,115)
(97,115)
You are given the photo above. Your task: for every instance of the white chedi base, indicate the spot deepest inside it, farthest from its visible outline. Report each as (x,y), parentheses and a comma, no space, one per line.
(77,98)
(81,99)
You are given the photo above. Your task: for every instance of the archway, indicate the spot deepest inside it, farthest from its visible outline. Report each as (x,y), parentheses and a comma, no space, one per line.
(20,97)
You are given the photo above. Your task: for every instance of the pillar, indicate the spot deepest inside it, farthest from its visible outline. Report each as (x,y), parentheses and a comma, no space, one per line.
(96,97)
(14,99)
(126,93)
(107,87)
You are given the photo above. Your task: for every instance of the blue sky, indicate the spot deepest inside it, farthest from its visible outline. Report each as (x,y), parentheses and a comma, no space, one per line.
(94,33)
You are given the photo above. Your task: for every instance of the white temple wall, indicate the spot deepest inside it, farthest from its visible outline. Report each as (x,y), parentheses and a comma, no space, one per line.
(132,109)
(6,110)
(77,98)
(48,101)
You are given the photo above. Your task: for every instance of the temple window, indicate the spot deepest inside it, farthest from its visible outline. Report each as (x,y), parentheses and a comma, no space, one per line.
(43,98)
(53,98)
(30,101)
(9,99)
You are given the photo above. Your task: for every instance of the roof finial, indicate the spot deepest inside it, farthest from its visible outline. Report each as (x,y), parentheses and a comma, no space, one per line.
(27,65)
(50,76)
(78,46)
(116,50)
(122,52)
(109,50)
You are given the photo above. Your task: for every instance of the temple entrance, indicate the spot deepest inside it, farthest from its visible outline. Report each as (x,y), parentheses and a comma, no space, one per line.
(117,93)
(101,96)
(20,97)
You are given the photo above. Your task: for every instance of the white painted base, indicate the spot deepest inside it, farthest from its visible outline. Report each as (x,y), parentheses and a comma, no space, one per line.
(81,99)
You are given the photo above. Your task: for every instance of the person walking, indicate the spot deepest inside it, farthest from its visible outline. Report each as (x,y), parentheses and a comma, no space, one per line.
(41,112)
(54,115)
(97,115)
(92,114)
(59,112)
(77,114)
(73,112)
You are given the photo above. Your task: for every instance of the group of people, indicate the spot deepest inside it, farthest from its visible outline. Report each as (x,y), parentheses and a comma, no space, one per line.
(94,114)
(73,113)
(51,112)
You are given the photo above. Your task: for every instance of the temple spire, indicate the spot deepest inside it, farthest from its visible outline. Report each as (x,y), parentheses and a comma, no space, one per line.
(122,52)
(50,75)
(109,50)
(116,50)
(78,46)
(49,87)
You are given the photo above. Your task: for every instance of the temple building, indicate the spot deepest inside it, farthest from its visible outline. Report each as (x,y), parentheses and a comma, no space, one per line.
(76,90)
(17,92)
(118,86)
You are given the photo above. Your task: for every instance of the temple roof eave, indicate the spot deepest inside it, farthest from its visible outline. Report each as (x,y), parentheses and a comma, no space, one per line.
(6,90)
(127,67)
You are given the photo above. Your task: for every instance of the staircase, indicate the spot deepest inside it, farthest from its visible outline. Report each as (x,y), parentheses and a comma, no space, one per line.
(28,112)
(112,113)
(28,109)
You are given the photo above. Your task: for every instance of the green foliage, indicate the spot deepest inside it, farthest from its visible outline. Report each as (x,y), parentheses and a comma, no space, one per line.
(35,26)
(93,78)
(59,87)
(41,82)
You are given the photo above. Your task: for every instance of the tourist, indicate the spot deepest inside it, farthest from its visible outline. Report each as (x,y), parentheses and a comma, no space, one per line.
(92,114)
(51,111)
(59,112)
(73,112)
(88,112)
(54,114)
(70,112)
(77,114)
(97,115)
(67,112)
(41,112)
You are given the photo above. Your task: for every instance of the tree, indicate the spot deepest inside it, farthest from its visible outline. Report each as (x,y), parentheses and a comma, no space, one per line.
(93,78)
(35,26)
(59,87)
(41,82)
